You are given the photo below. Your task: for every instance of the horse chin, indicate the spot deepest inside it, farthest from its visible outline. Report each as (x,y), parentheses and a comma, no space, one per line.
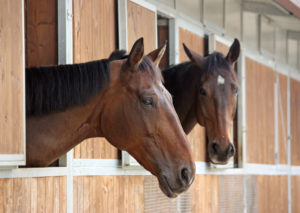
(165,187)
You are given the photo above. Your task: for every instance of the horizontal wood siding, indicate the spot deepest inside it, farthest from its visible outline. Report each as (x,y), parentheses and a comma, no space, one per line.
(33,195)
(123,194)
(222,48)
(94,37)
(11,78)
(295,121)
(260,120)
(282,119)
(41,32)
(272,194)
(141,23)
(197,135)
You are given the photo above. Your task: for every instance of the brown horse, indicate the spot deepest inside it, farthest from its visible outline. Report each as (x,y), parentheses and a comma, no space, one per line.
(121,100)
(205,91)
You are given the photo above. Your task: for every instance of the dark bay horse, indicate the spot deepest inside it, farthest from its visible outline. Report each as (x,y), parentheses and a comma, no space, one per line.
(122,100)
(205,91)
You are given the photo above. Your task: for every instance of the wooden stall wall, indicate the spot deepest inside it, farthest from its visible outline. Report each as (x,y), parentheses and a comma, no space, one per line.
(41,32)
(94,38)
(295,194)
(123,194)
(197,135)
(141,23)
(11,78)
(33,195)
(282,119)
(295,121)
(260,133)
(272,194)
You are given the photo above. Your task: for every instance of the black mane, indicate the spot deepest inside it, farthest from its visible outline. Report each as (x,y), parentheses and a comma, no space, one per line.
(55,88)
(216,61)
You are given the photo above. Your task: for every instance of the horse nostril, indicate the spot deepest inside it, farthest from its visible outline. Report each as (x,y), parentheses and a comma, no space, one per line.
(215,148)
(230,151)
(186,176)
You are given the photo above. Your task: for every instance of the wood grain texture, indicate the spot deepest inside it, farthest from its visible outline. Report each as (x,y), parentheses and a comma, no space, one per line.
(94,37)
(272,194)
(41,32)
(11,78)
(33,195)
(141,23)
(108,194)
(259,113)
(192,41)
(222,48)
(295,121)
(197,135)
(295,194)
(205,197)
(282,119)
(163,35)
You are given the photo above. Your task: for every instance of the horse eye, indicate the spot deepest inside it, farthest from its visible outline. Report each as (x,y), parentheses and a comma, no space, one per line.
(202,92)
(148,101)
(235,91)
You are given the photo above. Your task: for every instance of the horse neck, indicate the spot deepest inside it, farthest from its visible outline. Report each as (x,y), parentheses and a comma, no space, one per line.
(51,135)
(181,82)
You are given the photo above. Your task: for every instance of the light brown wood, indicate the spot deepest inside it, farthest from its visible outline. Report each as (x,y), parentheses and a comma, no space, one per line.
(222,48)
(41,32)
(33,195)
(163,35)
(197,135)
(94,37)
(192,41)
(11,78)
(282,118)
(295,194)
(295,121)
(205,197)
(109,194)
(141,23)
(259,113)
(272,194)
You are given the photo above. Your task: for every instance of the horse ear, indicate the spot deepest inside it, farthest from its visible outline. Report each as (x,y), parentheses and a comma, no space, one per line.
(156,55)
(193,56)
(136,54)
(234,51)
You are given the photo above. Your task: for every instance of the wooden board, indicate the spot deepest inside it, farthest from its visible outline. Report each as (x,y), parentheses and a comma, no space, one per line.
(260,133)
(94,37)
(222,48)
(108,194)
(11,78)
(282,119)
(163,35)
(272,194)
(141,23)
(205,197)
(33,195)
(295,194)
(197,135)
(295,121)
(41,32)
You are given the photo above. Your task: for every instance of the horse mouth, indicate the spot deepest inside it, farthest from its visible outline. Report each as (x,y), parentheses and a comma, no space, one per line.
(165,187)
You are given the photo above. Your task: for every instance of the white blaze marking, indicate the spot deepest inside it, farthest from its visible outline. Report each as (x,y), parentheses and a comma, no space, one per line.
(221,80)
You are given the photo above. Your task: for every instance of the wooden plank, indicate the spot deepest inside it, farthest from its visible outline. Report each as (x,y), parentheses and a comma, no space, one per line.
(163,35)
(41,32)
(11,78)
(75,194)
(2,201)
(222,48)
(272,194)
(260,113)
(295,194)
(205,196)
(8,194)
(63,194)
(33,195)
(94,37)
(86,194)
(49,194)
(26,196)
(295,121)
(141,23)
(282,119)
(17,194)
(41,198)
